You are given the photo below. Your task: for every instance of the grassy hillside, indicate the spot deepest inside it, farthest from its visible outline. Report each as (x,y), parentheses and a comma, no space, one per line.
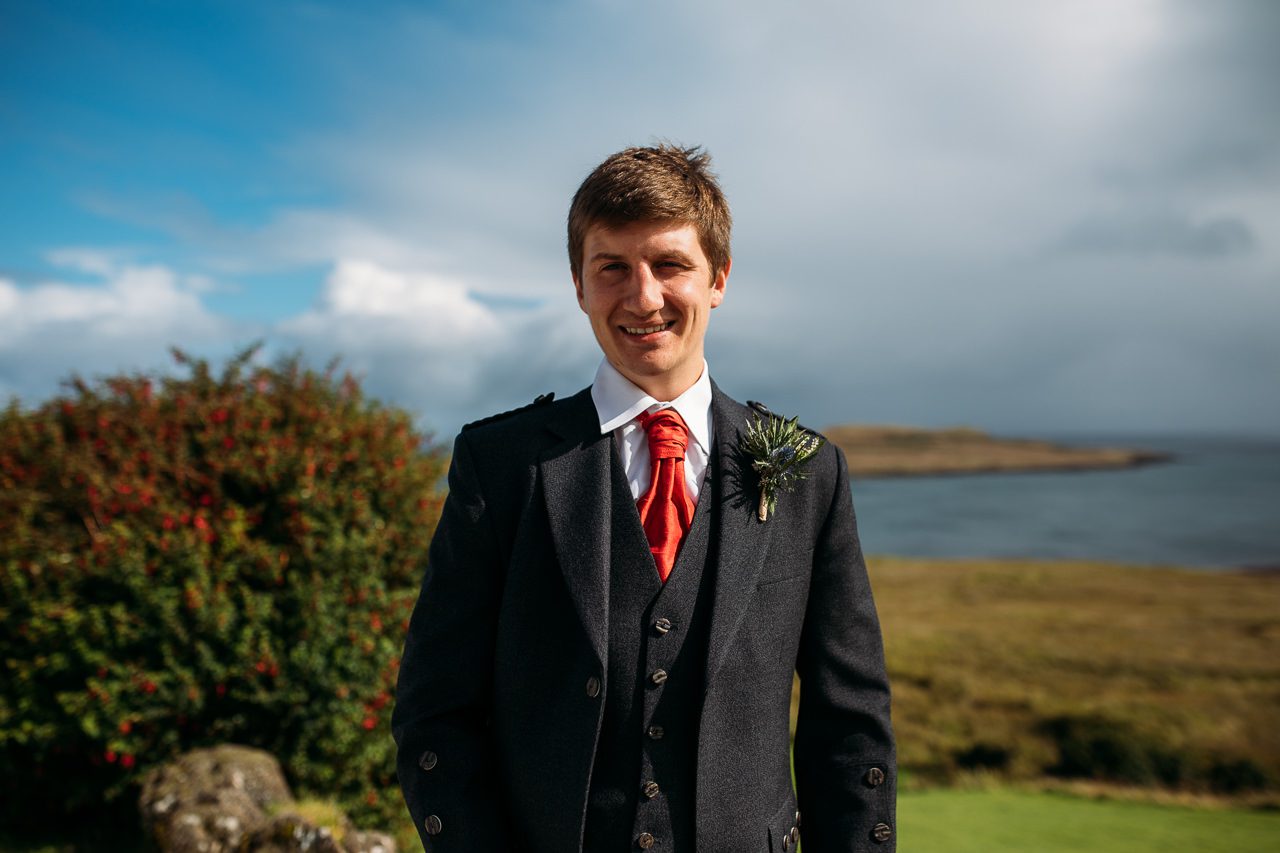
(1137,676)
(897,451)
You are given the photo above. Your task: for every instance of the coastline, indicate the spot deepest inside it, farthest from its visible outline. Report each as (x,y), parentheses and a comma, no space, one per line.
(899,451)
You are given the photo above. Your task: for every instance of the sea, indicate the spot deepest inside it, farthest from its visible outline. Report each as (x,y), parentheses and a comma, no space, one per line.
(1216,505)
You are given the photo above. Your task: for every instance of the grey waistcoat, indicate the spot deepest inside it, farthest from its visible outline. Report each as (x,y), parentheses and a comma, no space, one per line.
(643,779)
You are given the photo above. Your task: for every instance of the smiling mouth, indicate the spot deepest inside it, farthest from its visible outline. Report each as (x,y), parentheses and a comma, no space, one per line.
(648,330)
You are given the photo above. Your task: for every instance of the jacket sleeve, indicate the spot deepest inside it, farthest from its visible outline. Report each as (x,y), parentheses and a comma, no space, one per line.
(441,723)
(846,774)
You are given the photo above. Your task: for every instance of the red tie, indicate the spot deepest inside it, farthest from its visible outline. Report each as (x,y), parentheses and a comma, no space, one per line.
(666,510)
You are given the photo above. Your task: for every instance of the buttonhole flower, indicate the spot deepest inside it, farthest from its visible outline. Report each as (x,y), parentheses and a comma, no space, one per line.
(778,449)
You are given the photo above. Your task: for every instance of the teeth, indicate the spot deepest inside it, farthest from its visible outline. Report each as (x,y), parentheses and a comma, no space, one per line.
(643,330)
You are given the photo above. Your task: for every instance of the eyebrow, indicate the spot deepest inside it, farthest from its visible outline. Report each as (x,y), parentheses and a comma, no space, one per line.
(674,254)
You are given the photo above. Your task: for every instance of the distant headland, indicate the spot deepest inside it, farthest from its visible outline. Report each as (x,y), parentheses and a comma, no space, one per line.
(899,451)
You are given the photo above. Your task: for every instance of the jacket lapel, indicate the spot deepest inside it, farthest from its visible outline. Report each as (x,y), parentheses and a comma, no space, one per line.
(576,475)
(576,485)
(742,538)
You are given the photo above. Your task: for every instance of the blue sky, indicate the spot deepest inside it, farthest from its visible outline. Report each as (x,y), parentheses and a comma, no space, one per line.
(1048,217)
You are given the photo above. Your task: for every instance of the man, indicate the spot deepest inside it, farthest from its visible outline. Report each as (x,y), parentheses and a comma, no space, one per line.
(602,655)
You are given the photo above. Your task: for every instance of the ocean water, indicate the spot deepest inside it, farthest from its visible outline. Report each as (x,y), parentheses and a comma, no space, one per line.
(1216,505)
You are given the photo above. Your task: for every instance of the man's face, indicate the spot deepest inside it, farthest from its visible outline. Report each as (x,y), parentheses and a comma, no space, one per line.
(648,289)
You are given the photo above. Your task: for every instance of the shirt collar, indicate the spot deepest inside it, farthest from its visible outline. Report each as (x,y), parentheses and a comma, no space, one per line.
(618,401)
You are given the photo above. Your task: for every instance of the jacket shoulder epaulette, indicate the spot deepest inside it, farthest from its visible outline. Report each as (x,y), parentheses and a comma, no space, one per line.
(540,400)
(762,411)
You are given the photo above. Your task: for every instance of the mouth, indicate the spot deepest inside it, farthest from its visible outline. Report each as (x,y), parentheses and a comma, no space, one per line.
(648,330)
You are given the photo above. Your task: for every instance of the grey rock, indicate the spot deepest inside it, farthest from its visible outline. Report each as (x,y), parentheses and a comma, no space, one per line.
(206,800)
(370,842)
(235,798)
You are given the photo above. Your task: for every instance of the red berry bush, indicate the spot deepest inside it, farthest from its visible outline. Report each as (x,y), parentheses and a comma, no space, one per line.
(204,559)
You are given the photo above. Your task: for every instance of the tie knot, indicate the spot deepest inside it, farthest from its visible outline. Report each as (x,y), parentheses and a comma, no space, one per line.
(668,435)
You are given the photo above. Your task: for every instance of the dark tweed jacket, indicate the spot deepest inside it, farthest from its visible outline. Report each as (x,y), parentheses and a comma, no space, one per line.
(499,703)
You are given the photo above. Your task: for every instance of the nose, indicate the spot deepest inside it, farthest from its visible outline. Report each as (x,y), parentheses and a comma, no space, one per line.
(646,292)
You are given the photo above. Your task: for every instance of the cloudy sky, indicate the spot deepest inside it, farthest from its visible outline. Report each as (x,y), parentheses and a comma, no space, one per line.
(1028,217)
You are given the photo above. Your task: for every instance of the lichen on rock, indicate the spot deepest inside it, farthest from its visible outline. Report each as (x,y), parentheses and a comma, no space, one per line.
(235,798)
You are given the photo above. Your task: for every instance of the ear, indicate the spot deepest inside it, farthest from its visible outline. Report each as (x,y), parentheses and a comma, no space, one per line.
(577,286)
(718,284)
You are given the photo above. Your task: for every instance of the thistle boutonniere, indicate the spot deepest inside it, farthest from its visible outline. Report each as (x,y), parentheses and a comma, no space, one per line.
(778,449)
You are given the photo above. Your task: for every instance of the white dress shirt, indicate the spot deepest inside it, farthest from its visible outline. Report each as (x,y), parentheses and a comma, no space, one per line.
(619,402)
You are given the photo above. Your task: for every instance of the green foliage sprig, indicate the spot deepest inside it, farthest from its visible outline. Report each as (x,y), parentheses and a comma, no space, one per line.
(201,559)
(778,449)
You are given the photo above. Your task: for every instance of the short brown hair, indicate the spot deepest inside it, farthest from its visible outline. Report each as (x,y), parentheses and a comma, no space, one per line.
(665,183)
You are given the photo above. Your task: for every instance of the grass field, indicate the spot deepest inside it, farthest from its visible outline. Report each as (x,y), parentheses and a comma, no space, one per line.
(1142,676)
(1009,821)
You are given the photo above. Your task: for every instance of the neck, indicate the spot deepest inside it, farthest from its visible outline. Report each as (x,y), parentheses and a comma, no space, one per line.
(666,387)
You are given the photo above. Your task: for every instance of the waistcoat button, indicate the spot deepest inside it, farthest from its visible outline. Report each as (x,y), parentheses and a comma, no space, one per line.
(662,625)
(644,841)
(881,832)
(655,732)
(874,777)
(651,789)
(659,676)
(593,687)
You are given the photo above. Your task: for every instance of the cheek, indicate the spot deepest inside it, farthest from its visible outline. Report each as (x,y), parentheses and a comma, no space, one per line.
(589,302)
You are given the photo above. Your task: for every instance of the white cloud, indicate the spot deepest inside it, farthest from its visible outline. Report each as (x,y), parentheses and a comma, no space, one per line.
(360,296)
(428,343)
(419,340)
(125,321)
(86,259)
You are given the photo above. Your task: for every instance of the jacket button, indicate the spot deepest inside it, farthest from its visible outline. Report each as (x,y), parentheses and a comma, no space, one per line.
(662,625)
(432,825)
(593,687)
(881,832)
(650,789)
(655,732)
(644,841)
(427,761)
(874,777)
(659,676)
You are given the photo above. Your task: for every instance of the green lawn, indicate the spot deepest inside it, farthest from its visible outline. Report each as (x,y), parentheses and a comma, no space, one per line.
(1011,821)
(1008,821)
